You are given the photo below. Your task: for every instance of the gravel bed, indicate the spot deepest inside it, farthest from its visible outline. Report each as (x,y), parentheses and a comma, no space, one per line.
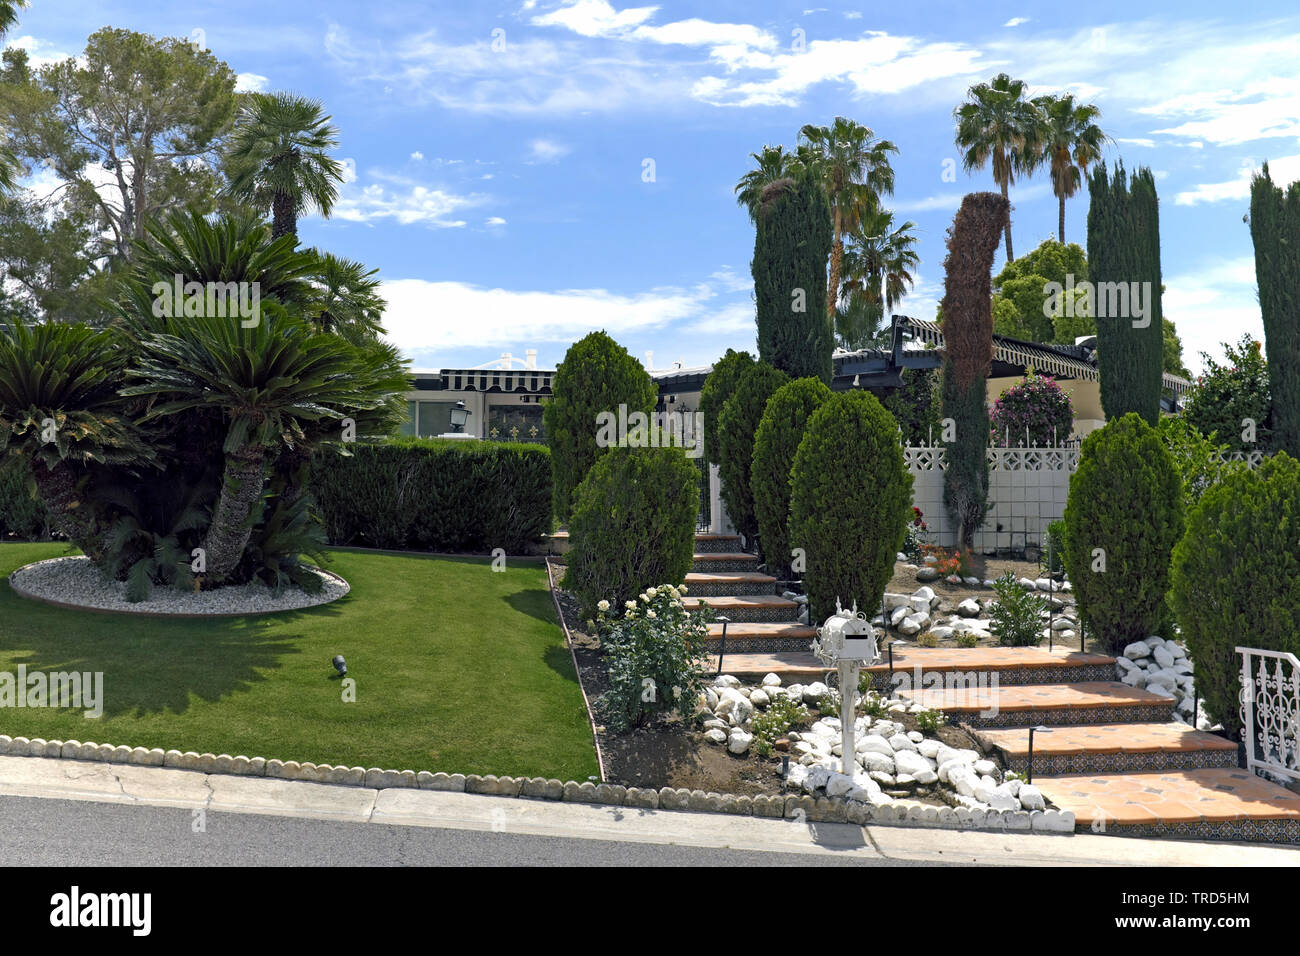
(75,582)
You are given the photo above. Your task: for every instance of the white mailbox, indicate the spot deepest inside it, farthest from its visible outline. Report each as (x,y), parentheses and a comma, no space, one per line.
(846,636)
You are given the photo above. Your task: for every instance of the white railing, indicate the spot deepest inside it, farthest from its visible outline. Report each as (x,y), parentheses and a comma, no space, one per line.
(1270,710)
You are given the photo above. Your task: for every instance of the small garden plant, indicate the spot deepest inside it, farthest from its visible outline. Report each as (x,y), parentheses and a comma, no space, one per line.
(781,715)
(655,655)
(929,721)
(1017,615)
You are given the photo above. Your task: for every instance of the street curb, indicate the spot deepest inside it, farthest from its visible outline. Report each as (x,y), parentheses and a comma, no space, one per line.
(792,807)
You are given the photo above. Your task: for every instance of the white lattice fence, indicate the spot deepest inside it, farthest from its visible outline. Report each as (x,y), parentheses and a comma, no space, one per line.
(1270,710)
(1027,487)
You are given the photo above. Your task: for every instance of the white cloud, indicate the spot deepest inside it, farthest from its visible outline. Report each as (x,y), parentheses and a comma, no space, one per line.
(1016,21)
(404,201)
(1282,169)
(940,201)
(546,151)
(427,316)
(595,18)
(250,83)
(494,221)
(39,52)
(417,156)
(1213,304)
(1138,141)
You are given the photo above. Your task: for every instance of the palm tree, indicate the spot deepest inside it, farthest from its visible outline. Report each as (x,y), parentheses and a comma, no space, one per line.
(854,169)
(879,269)
(1071,141)
(771,165)
(278,156)
(347,300)
(60,410)
(8,161)
(9,13)
(997,123)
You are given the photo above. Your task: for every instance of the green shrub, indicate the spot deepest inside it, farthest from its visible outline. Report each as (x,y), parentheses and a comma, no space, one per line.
(851,499)
(656,657)
(929,721)
(775,443)
(597,376)
(736,432)
(1228,396)
(781,715)
(22,514)
(1195,457)
(633,525)
(968,639)
(1123,517)
(1017,615)
(719,386)
(1054,547)
(435,495)
(1035,412)
(1236,578)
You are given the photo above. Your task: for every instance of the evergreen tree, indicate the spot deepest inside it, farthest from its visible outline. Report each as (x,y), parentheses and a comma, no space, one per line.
(791,248)
(1124,262)
(1275,231)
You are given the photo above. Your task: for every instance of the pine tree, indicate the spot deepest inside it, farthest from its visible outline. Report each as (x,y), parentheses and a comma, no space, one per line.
(1124,264)
(1275,231)
(791,248)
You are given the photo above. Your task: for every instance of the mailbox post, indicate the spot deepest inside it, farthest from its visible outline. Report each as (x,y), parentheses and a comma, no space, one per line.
(847,640)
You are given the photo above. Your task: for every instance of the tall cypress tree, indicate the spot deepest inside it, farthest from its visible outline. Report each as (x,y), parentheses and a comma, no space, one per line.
(1275,231)
(1124,265)
(791,248)
(967,324)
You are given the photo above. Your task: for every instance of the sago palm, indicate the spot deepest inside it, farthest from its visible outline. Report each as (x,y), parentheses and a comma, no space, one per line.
(60,410)
(273,383)
(1072,141)
(854,168)
(998,124)
(279,157)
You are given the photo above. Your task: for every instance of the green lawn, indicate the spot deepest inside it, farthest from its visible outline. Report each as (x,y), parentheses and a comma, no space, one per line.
(458,668)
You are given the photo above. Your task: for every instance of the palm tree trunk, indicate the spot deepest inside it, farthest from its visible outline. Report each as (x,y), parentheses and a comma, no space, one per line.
(837,260)
(57,488)
(1061,222)
(241,489)
(284,219)
(1010,255)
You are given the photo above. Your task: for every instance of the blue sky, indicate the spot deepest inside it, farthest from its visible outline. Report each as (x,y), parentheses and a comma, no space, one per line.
(498,151)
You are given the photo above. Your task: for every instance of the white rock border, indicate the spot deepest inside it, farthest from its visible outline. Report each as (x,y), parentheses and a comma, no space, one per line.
(792,807)
(289,600)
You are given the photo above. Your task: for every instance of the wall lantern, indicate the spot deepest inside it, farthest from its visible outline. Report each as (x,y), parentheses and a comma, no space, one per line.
(459,416)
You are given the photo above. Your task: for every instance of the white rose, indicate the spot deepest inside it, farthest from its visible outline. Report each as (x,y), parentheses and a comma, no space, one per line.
(602,605)
(650,614)
(630,605)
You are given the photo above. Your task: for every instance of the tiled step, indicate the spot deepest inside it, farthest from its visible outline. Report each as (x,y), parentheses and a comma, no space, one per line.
(1013,665)
(981,704)
(715,543)
(751,608)
(790,666)
(1214,803)
(716,583)
(772,637)
(1111,748)
(715,561)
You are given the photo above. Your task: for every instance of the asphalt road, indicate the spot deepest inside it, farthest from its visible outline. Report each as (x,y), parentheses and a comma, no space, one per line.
(46,832)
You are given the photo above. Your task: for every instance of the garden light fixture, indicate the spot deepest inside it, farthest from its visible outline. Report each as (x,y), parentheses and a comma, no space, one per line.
(340,665)
(1029,766)
(459,416)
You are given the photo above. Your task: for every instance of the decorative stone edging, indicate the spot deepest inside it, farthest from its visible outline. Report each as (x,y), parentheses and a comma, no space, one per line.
(795,808)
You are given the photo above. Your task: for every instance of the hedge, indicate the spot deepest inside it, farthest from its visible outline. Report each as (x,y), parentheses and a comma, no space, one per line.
(633,526)
(435,495)
(736,430)
(1236,578)
(22,514)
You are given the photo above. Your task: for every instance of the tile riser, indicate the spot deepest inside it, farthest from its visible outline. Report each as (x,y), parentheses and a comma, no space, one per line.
(1062,764)
(759,645)
(719,546)
(730,588)
(1144,713)
(723,564)
(1020,676)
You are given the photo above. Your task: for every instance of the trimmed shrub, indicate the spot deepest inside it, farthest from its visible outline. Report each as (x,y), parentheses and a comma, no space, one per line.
(850,501)
(736,432)
(633,525)
(792,244)
(718,387)
(22,514)
(1032,413)
(1236,578)
(597,375)
(1275,232)
(1123,517)
(775,443)
(435,495)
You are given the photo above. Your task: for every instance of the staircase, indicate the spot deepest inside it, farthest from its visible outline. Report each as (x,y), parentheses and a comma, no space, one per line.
(1109,752)
(764,635)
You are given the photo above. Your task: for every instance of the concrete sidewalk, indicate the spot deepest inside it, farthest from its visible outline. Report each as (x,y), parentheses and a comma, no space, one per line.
(166,787)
